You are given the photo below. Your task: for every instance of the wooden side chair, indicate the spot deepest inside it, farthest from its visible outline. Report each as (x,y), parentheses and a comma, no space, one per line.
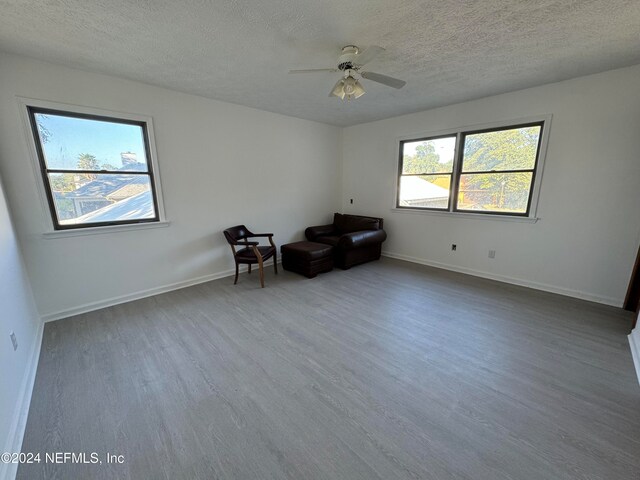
(252,252)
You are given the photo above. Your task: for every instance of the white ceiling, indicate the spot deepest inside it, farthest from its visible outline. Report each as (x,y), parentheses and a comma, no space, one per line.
(240,51)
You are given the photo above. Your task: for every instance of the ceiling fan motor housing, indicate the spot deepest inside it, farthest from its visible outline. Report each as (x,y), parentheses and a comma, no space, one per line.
(347,59)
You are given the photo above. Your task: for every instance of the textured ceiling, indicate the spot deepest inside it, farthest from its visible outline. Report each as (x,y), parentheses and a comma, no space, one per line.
(240,51)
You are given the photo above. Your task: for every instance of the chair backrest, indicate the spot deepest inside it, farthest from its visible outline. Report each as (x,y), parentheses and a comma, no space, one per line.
(345,223)
(235,234)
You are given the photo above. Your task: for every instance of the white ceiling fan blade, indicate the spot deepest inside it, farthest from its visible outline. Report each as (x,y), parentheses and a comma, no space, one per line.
(383,79)
(368,54)
(314,70)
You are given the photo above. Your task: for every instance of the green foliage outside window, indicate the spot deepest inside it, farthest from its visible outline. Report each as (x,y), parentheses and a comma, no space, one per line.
(496,169)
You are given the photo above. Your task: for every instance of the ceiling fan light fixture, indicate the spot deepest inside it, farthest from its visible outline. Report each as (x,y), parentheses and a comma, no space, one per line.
(348,88)
(358,90)
(349,85)
(338,90)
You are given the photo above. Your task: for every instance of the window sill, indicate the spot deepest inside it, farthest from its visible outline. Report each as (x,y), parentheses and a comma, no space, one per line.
(80,232)
(477,216)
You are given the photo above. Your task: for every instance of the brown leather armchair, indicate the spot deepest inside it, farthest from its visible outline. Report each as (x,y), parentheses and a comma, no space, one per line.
(252,251)
(356,239)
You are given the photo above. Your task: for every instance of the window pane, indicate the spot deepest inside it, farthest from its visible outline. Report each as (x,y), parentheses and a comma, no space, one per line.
(95,198)
(428,156)
(426,191)
(71,143)
(513,149)
(495,192)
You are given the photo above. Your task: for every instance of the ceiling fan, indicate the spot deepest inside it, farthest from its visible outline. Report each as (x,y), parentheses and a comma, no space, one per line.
(350,63)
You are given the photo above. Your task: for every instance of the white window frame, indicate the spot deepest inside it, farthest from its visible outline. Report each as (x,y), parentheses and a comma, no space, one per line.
(49,230)
(457,132)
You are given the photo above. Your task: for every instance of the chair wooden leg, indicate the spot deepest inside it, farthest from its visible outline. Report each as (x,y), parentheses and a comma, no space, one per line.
(249,268)
(275,262)
(261,272)
(236,279)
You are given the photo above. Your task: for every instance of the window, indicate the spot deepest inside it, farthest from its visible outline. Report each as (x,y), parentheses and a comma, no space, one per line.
(427,168)
(490,171)
(97,170)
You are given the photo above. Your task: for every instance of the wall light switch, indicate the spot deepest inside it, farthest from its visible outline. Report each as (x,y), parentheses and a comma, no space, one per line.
(492,254)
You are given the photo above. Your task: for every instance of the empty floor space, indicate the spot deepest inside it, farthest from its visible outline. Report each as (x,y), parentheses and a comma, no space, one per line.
(390,370)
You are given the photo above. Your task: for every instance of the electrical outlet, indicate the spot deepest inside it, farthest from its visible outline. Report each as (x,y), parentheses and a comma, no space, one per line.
(14,341)
(492,254)
(454,247)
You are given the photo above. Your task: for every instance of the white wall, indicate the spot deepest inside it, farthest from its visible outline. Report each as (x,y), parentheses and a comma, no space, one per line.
(17,314)
(586,241)
(221,165)
(634,344)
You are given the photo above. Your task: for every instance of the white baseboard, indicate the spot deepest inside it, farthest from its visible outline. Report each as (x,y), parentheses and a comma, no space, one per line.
(19,424)
(615,302)
(109,302)
(634,343)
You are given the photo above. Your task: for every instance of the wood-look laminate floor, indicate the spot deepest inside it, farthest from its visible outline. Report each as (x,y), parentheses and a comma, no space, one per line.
(385,371)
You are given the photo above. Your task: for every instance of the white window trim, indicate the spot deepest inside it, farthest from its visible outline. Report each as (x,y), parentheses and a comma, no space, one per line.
(537,181)
(476,216)
(48,229)
(79,232)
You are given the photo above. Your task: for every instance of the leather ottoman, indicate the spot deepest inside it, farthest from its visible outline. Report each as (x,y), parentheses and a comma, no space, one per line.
(307,258)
